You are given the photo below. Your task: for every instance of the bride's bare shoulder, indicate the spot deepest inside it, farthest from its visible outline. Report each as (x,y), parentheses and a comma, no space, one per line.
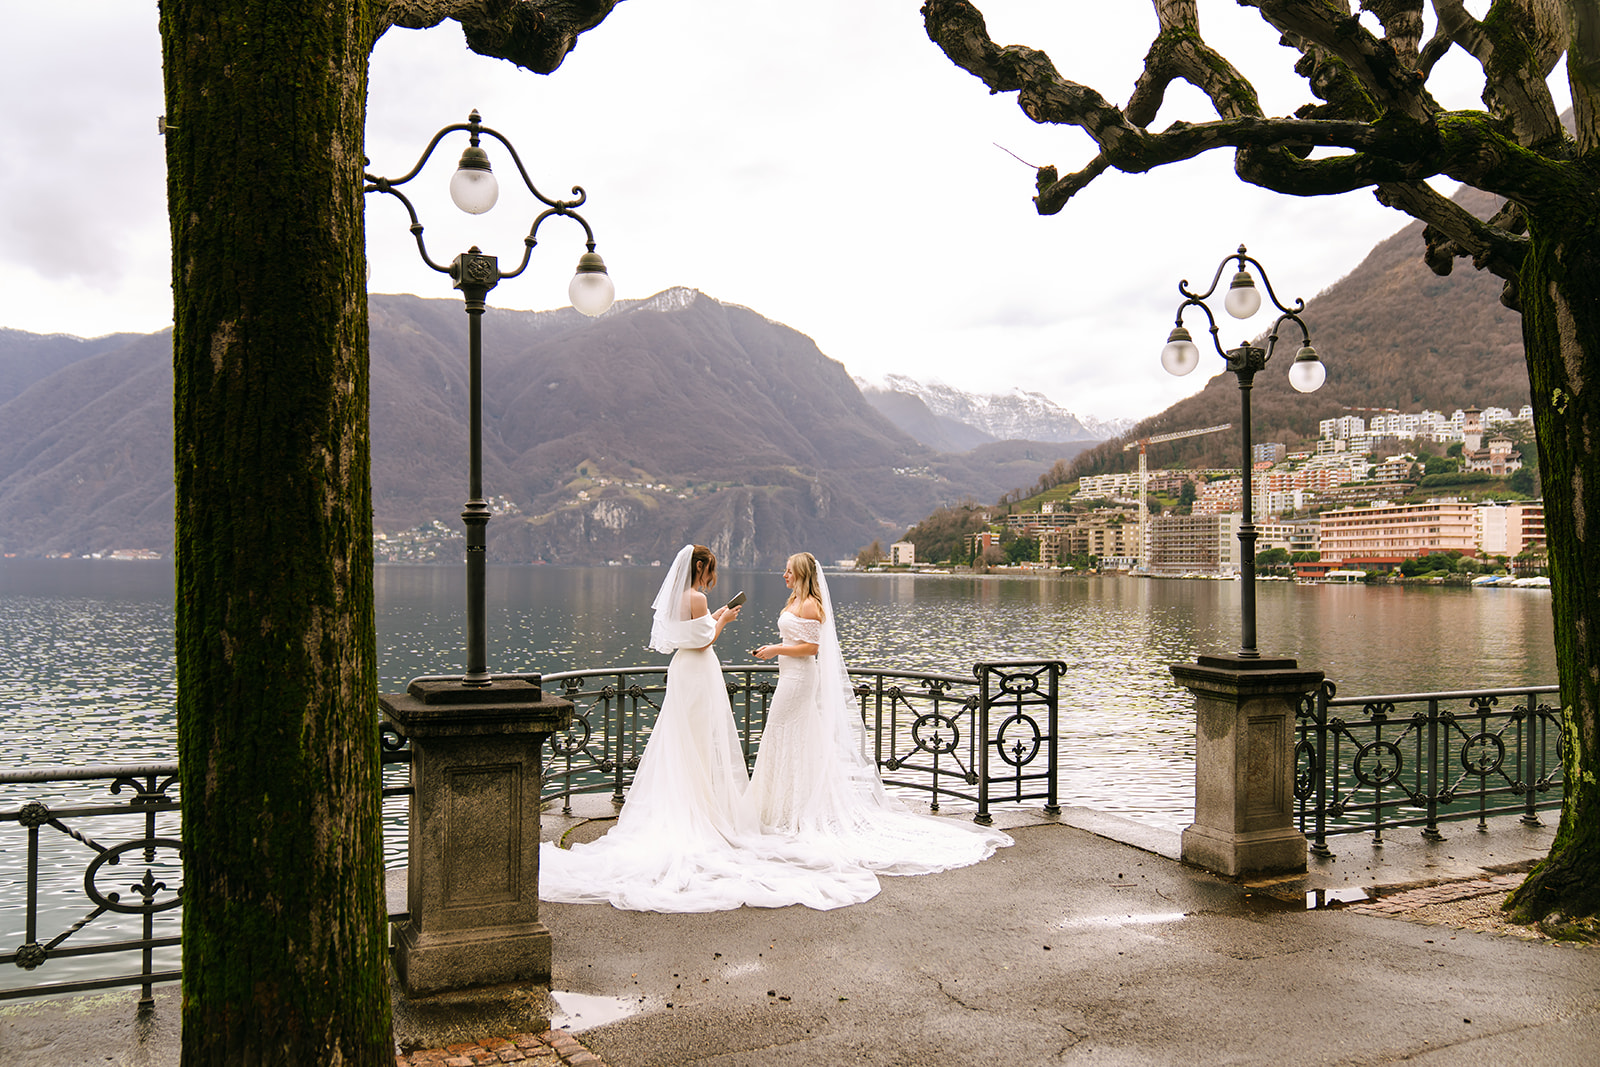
(809,608)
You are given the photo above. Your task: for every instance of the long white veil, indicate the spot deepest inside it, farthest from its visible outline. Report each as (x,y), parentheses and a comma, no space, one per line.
(816,782)
(839,705)
(668,627)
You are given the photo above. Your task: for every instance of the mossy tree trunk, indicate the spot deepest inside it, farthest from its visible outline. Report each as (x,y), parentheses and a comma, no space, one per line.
(284,931)
(1560,288)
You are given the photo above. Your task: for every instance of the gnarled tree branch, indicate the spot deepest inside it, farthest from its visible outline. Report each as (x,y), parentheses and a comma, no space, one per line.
(1376,107)
(533,34)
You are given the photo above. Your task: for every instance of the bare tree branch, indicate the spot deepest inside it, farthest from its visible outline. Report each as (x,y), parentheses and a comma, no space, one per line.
(1496,245)
(533,34)
(1583,74)
(1374,61)
(1517,45)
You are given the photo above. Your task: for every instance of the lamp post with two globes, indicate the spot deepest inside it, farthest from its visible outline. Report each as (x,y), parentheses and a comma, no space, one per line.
(1306,374)
(476,740)
(1245,705)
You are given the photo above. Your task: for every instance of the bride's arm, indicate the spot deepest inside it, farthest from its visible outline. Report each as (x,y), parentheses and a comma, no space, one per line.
(723,616)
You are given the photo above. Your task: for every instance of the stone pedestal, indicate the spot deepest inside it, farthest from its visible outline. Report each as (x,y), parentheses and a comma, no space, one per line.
(472,884)
(1244,764)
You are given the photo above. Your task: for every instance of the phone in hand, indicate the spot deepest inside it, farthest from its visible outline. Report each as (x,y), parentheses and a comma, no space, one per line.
(738,599)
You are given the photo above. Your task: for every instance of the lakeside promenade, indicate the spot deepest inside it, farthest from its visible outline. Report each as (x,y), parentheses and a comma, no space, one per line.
(1086,942)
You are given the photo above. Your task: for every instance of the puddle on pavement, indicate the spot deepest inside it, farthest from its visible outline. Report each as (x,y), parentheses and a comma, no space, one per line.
(1317,899)
(1292,898)
(576,1012)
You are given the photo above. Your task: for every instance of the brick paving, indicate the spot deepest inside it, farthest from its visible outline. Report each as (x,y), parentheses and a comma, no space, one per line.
(553,1048)
(1444,892)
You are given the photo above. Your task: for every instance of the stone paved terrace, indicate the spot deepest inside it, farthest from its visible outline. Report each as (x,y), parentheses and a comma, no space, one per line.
(1085,943)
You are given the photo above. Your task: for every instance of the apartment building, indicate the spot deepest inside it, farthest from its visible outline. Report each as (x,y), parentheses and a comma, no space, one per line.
(1194,544)
(1510,529)
(1386,533)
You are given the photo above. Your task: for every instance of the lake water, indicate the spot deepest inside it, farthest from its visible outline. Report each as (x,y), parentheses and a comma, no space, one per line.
(87,666)
(86,650)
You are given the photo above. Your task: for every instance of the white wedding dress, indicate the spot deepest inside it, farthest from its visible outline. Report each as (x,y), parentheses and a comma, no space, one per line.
(814,784)
(686,840)
(814,828)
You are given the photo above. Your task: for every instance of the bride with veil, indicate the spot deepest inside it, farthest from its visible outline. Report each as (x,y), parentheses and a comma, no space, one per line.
(814,827)
(814,782)
(687,840)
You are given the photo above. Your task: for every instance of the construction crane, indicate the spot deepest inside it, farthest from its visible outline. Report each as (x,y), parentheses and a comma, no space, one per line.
(1144,477)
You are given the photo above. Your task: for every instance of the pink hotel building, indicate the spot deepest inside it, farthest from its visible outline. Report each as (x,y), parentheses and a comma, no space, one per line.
(1388,533)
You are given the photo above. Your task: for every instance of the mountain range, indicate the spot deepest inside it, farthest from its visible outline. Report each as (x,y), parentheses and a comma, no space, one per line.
(676,418)
(947,418)
(681,418)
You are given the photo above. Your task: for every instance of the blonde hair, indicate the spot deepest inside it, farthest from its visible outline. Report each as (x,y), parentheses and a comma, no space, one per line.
(802,567)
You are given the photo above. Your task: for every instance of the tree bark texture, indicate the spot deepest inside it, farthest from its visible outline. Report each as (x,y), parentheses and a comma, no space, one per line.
(285,924)
(285,940)
(1560,294)
(1373,103)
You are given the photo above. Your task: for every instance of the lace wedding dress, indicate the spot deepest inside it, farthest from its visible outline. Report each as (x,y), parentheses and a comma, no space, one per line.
(686,840)
(814,783)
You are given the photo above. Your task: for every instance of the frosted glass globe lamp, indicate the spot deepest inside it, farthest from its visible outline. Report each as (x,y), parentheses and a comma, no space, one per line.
(1243,299)
(590,290)
(1307,373)
(1181,356)
(473,186)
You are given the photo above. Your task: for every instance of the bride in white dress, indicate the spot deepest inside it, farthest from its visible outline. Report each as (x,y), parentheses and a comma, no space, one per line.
(814,782)
(687,841)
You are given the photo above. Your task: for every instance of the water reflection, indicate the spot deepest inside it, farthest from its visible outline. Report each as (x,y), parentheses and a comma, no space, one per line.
(88,650)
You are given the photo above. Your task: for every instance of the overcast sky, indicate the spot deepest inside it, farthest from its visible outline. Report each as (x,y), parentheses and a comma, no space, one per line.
(822,163)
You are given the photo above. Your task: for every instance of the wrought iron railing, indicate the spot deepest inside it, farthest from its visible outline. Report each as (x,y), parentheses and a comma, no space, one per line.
(102,847)
(1374,763)
(930,733)
(133,826)
(1363,763)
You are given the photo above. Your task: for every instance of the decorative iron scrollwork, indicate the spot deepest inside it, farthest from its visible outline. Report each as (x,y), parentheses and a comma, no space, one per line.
(1307,769)
(390,739)
(1014,756)
(1482,754)
(147,888)
(1379,712)
(1378,763)
(936,733)
(573,739)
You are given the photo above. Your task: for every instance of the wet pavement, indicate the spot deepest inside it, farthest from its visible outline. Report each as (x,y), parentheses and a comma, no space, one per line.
(1086,942)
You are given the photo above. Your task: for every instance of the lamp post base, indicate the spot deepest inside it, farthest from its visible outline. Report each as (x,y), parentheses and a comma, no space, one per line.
(1245,763)
(472,882)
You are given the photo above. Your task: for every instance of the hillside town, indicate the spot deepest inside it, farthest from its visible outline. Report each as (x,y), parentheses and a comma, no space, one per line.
(1368,500)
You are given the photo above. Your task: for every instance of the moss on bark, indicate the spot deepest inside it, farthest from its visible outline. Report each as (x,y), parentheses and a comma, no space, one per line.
(284,932)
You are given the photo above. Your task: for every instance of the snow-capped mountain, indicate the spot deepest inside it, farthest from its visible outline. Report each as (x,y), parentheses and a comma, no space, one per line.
(1019,415)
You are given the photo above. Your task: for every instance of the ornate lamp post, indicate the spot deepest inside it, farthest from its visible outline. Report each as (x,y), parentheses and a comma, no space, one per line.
(473,872)
(1306,374)
(1245,705)
(475,190)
